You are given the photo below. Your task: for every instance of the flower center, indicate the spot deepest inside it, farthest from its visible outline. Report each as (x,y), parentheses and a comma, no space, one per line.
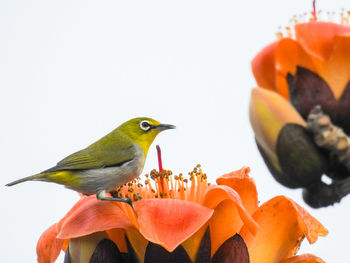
(163,184)
(166,185)
(342,18)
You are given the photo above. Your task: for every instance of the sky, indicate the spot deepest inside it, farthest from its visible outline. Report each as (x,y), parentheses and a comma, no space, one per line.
(72,71)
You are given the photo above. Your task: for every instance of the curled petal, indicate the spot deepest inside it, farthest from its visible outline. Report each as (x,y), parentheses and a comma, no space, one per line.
(229,215)
(49,247)
(263,67)
(272,65)
(90,215)
(269,112)
(317,37)
(313,228)
(219,193)
(169,222)
(283,225)
(117,235)
(289,56)
(244,185)
(305,258)
(336,71)
(225,223)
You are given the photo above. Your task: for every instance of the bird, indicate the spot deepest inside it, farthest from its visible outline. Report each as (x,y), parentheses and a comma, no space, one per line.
(112,161)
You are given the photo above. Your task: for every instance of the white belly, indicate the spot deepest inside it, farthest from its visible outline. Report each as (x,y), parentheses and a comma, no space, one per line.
(107,178)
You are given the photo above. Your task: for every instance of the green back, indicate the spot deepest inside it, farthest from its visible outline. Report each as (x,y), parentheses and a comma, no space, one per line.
(111,150)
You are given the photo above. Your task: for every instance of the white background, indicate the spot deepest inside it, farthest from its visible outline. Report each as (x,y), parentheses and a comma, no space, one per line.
(71,71)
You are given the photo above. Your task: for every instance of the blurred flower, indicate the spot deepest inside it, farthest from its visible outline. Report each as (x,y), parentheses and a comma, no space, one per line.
(295,74)
(183,221)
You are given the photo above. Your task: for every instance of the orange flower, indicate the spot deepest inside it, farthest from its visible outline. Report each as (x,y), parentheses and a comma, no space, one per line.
(183,221)
(310,67)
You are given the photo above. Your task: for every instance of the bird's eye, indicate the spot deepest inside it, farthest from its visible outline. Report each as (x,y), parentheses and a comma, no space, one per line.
(145,125)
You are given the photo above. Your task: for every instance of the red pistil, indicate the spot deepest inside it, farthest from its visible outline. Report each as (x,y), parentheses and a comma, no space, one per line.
(159,153)
(160,165)
(314,9)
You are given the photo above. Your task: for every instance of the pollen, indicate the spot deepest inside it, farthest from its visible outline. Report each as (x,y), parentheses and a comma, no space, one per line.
(163,184)
(342,18)
(166,185)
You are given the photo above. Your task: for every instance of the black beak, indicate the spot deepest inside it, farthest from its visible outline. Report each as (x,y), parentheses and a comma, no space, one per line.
(163,127)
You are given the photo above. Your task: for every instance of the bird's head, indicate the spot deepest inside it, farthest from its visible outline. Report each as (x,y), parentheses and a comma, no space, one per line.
(143,131)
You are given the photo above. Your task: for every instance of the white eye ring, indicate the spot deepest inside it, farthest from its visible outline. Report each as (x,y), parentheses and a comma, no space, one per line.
(145,125)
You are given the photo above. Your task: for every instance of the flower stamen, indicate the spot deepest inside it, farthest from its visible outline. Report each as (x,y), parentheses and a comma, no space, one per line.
(166,185)
(343,18)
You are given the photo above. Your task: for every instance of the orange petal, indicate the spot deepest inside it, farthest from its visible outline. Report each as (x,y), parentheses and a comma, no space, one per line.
(192,244)
(90,215)
(317,37)
(289,55)
(65,245)
(283,226)
(169,222)
(218,193)
(263,67)
(82,248)
(336,70)
(305,258)
(49,247)
(312,226)
(244,185)
(225,223)
(117,235)
(138,243)
(268,113)
(229,215)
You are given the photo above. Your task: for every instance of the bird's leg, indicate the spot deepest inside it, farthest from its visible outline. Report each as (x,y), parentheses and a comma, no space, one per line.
(102,196)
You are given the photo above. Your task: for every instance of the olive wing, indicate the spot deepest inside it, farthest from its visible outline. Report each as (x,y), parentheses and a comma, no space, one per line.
(96,157)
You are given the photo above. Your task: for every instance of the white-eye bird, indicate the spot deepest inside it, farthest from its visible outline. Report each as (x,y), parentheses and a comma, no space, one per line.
(110,162)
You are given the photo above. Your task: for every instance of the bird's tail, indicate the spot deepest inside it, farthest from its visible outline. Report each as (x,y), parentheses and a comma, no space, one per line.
(35,177)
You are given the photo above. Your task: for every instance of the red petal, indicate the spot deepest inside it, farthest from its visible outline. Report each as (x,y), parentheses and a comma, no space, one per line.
(244,185)
(169,222)
(317,37)
(49,247)
(90,215)
(264,68)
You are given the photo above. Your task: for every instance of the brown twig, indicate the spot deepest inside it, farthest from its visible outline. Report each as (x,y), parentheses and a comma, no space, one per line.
(329,136)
